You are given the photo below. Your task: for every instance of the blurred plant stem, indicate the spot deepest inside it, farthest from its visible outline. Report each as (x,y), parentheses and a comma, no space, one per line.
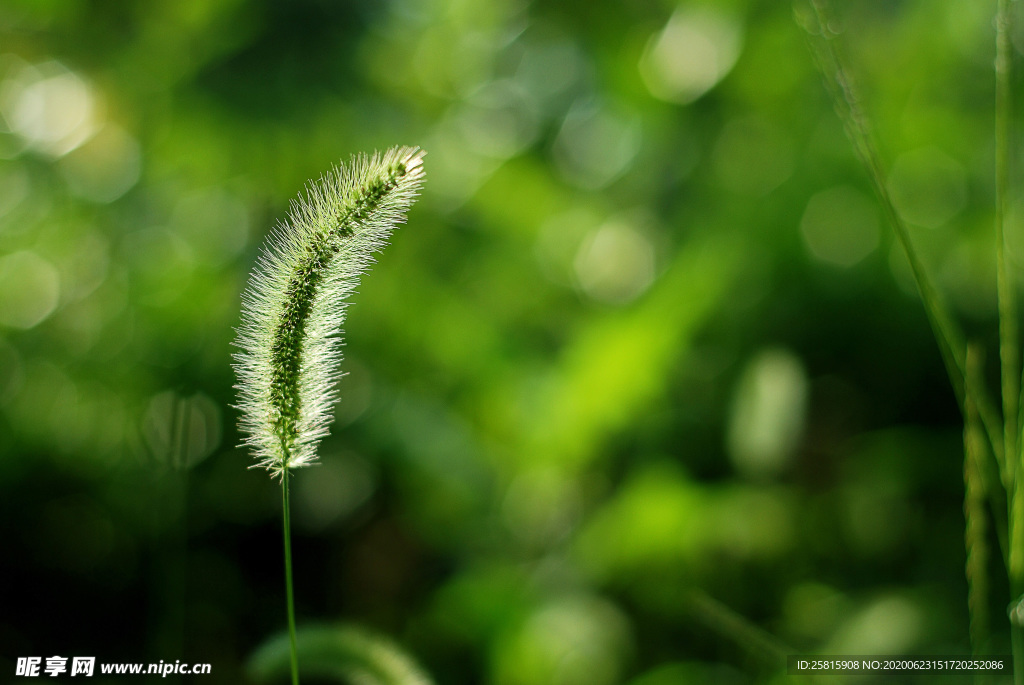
(288,575)
(975,515)
(170,550)
(980,416)
(1009,347)
(759,644)
(847,103)
(173,454)
(947,331)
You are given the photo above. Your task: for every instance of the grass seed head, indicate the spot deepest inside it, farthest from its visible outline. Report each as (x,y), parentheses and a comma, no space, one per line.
(294,305)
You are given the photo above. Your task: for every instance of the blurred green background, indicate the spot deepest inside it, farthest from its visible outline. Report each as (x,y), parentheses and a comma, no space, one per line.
(644,360)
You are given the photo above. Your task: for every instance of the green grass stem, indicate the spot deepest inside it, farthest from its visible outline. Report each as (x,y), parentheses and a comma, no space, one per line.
(1009,343)
(947,332)
(759,644)
(975,516)
(288,576)
(1004,434)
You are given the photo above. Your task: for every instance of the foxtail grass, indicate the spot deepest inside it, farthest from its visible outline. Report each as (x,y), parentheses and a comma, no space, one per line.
(293,310)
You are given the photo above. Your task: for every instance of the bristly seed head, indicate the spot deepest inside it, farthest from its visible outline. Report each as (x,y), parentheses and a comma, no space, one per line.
(293,309)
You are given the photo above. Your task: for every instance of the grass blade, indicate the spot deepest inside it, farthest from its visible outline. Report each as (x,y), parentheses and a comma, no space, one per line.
(976,517)
(1009,343)
(947,332)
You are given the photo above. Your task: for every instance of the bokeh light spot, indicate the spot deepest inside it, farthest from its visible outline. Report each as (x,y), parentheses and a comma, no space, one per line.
(888,625)
(498,120)
(550,68)
(105,168)
(29,289)
(615,264)
(928,187)
(541,506)
(840,226)
(812,610)
(768,413)
(50,107)
(695,50)
(559,239)
(596,145)
(574,640)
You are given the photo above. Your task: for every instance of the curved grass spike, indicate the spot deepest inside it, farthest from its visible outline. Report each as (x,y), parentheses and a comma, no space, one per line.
(293,309)
(294,306)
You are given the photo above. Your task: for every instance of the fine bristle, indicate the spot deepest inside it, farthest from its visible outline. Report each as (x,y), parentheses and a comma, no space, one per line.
(294,305)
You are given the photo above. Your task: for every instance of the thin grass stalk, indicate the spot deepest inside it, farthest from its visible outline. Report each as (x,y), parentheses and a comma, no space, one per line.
(1009,342)
(286,508)
(947,332)
(761,645)
(172,541)
(1009,345)
(1004,436)
(975,517)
